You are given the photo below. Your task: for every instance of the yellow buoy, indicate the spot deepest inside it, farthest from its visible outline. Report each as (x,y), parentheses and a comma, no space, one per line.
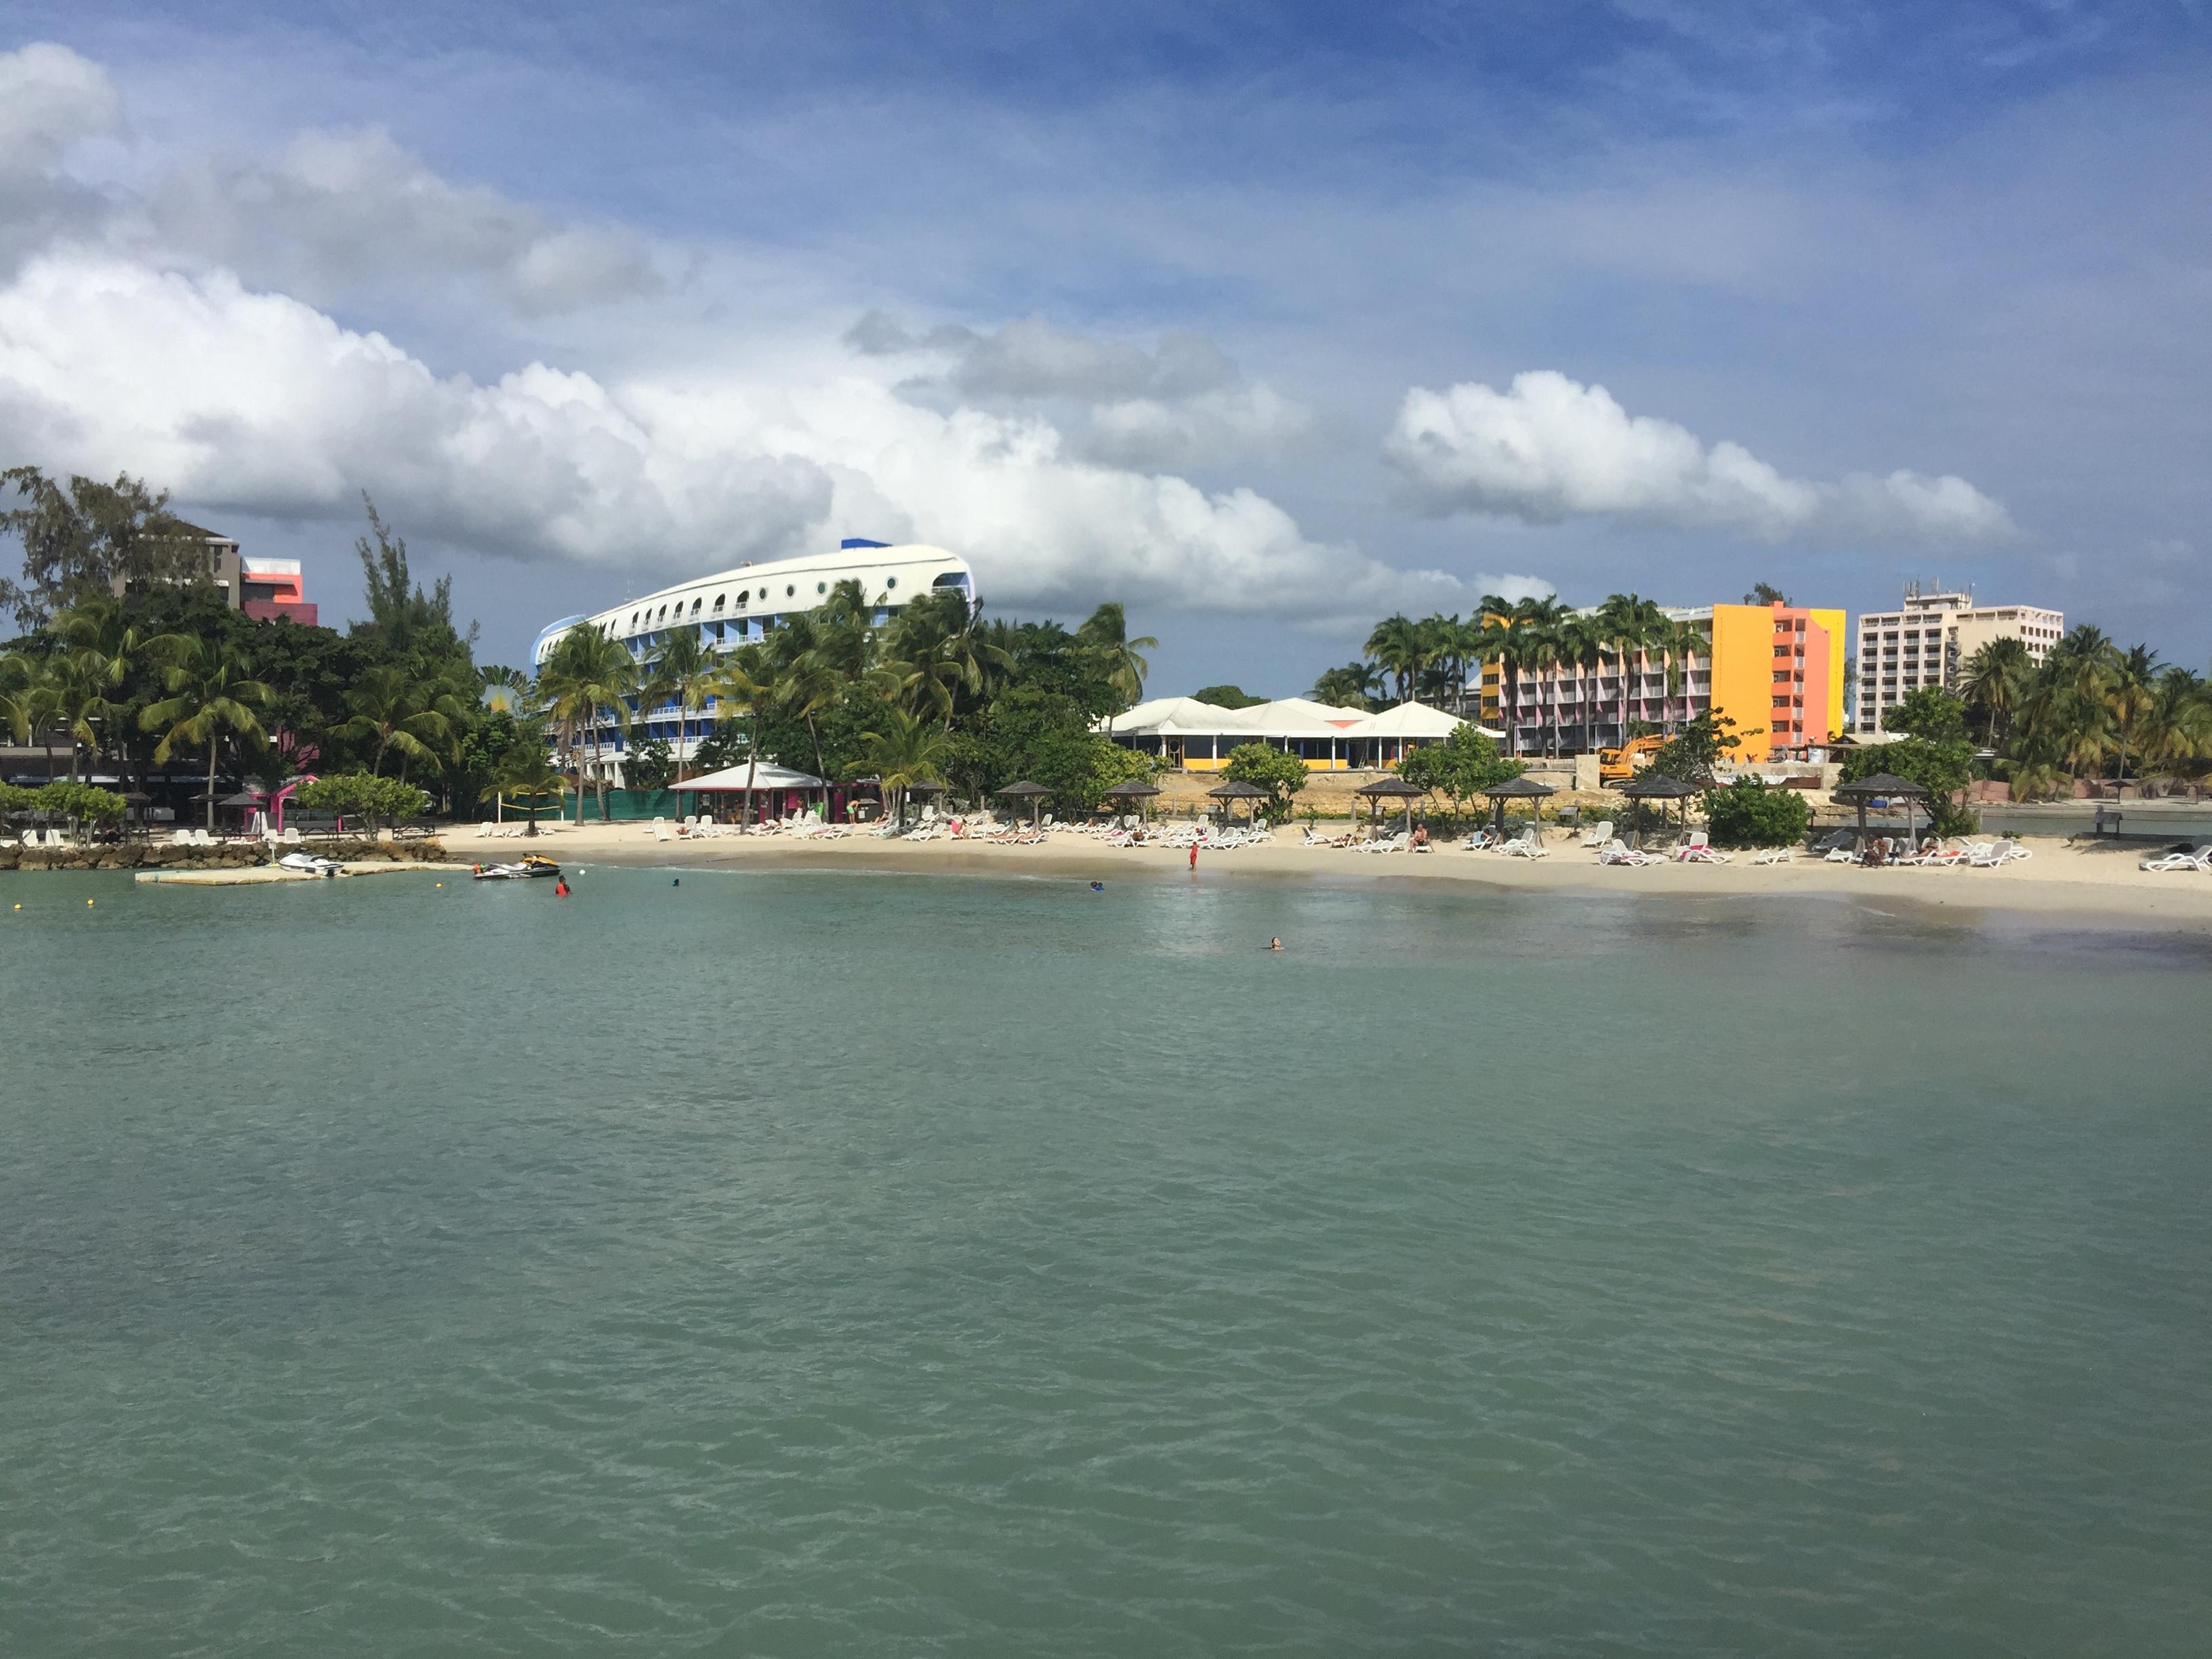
(88,904)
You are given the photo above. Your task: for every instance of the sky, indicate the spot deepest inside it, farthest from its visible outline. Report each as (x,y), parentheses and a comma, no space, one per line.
(1268,320)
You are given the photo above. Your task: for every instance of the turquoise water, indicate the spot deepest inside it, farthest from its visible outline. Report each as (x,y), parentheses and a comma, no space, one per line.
(788,1264)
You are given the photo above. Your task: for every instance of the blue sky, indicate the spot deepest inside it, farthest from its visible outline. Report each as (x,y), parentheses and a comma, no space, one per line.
(1268,319)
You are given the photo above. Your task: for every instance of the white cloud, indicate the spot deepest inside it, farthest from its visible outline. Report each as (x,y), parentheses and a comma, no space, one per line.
(257,403)
(1549,448)
(1183,404)
(51,99)
(332,212)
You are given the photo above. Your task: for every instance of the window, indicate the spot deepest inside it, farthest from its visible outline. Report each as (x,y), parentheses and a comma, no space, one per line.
(790,588)
(719,598)
(633,619)
(822,587)
(890,582)
(663,617)
(763,592)
(696,603)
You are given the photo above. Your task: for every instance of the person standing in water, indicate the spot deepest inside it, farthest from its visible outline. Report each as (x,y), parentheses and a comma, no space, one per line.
(1193,856)
(560,887)
(1276,942)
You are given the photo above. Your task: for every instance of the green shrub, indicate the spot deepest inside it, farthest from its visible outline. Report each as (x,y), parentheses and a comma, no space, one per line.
(1265,766)
(1750,813)
(364,795)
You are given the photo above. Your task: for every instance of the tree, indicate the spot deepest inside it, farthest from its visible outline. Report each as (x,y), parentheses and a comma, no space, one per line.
(744,683)
(1461,767)
(588,678)
(649,765)
(1634,627)
(79,540)
(1105,633)
(1227,696)
(365,795)
(405,619)
(1996,681)
(680,672)
(1695,752)
(396,710)
(903,751)
(525,772)
(1352,686)
(1929,712)
(1397,646)
(1943,766)
(1765,593)
(210,693)
(1280,773)
(1750,813)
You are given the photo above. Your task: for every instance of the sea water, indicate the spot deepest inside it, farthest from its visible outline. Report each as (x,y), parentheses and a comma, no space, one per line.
(780,1264)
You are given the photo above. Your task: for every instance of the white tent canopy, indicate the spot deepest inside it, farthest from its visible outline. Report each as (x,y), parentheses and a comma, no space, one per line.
(763,778)
(1413,720)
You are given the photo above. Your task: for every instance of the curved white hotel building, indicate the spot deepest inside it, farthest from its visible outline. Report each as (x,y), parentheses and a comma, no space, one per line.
(733,606)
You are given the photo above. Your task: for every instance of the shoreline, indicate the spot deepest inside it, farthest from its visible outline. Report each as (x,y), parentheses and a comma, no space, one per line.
(2059,883)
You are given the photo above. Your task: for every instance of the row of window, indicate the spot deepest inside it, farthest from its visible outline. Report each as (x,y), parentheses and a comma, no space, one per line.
(649,617)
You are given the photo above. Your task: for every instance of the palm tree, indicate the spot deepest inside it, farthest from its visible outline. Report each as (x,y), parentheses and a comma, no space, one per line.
(588,678)
(209,692)
(2177,735)
(745,681)
(396,710)
(526,771)
(2131,697)
(1396,645)
(1679,646)
(1537,638)
(678,673)
(1106,631)
(1635,626)
(103,644)
(1584,641)
(1995,679)
(505,690)
(1349,687)
(904,752)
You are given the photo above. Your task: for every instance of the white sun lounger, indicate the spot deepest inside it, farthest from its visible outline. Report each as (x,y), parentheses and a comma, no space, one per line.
(1619,852)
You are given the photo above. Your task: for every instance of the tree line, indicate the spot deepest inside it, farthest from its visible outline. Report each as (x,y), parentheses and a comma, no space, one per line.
(1434,659)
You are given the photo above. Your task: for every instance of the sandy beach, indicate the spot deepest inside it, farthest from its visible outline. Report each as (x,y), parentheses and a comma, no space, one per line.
(2093,884)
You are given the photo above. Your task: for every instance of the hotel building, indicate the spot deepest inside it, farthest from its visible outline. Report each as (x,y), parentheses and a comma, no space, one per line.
(1931,638)
(738,605)
(1776,671)
(264,589)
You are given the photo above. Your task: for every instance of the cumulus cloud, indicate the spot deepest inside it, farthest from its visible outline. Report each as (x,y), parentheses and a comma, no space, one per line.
(49,100)
(1549,448)
(259,403)
(333,211)
(1183,404)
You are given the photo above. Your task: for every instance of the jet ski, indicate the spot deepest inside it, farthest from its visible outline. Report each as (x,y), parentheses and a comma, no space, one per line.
(309,864)
(521,870)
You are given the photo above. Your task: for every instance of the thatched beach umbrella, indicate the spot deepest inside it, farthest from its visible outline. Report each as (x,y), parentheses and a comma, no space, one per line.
(1394,789)
(1526,789)
(1235,791)
(1882,785)
(1655,786)
(1031,793)
(1136,789)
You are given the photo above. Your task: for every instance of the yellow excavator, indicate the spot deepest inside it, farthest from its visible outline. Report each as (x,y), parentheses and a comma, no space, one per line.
(1618,765)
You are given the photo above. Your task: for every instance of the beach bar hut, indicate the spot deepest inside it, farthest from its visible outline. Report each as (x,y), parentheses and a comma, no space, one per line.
(1392,789)
(1655,786)
(1526,789)
(762,778)
(1233,791)
(1026,791)
(1135,790)
(1882,785)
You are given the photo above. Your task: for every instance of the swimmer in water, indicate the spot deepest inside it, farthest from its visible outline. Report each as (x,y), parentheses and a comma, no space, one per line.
(1275,944)
(560,887)
(1098,886)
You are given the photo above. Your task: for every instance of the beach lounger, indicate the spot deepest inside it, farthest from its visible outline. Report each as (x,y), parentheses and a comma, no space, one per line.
(1989,856)
(2181,857)
(1699,850)
(1599,834)
(1619,852)
(661,831)
(1773,855)
(1526,846)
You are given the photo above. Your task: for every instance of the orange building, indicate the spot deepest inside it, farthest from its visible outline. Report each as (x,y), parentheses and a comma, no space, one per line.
(1777,671)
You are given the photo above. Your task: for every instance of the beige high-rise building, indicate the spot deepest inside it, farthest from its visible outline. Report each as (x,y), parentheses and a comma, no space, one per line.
(1929,640)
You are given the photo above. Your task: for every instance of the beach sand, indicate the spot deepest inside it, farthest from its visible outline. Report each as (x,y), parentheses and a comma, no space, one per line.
(2099,884)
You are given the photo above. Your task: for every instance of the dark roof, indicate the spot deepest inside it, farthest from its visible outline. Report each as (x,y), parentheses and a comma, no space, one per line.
(923,786)
(1233,791)
(1396,787)
(1025,787)
(1657,786)
(1520,789)
(1883,783)
(1130,790)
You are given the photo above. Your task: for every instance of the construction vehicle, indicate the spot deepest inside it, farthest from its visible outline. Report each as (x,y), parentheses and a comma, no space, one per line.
(1618,765)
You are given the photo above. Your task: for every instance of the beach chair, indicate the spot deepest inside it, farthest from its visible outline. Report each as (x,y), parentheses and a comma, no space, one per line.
(1599,834)
(1699,850)
(1619,852)
(661,831)
(2181,857)
(1773,855)
(1526,846)
(1990,855)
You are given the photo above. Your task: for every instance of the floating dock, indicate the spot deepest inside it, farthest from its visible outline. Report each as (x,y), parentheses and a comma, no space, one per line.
(264,875)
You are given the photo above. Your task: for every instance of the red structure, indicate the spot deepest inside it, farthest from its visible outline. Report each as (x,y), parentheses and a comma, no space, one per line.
(269,588)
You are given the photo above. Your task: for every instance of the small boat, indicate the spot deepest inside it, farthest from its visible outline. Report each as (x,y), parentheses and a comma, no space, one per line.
(306,863)
(521,870)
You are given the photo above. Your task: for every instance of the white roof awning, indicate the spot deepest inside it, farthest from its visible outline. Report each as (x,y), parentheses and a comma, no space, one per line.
(1412,720)
(764,776)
